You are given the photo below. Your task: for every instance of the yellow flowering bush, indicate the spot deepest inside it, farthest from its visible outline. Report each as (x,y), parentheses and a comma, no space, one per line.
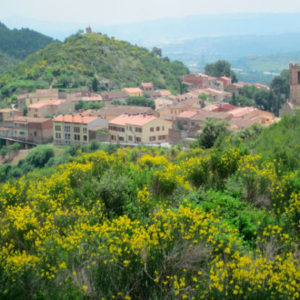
(113,227)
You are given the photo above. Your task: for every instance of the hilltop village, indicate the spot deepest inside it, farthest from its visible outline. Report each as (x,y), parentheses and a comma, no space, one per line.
(60,117)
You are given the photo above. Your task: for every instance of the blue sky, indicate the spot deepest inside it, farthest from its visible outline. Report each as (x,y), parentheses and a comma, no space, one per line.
(128,11)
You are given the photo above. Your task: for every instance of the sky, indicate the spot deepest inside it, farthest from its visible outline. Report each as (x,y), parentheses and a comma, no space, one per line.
(108,12)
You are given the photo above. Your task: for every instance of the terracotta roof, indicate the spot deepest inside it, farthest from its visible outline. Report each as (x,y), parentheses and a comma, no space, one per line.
(203,115)
(22,119)
(147,84)
(187,114)
(43,103)
(242,111)
(8,110)
(132,90)
(122,109)
(74,119)
(137,120)
(224,107)
(113,95)
(225,78)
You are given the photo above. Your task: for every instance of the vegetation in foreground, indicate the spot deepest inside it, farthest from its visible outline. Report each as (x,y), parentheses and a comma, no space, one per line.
(145,223)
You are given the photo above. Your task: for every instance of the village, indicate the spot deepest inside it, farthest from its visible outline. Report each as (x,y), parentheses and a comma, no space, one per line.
(52,115)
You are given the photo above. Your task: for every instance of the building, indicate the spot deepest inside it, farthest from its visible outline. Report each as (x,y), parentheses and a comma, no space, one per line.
(161,93)
(114,96)
(139,128)
(30,98)
(201,81)
(48,108)
(6,113)
(191,121)
(217,95)
(76,129)
(110,112)
(226,81)
(295,84)
(35,130)
(162,102)
(240,121)
(133,92)
(147,86)
(86,96)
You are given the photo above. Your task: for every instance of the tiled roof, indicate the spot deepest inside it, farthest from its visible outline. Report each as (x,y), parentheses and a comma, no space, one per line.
(22,119)
(187,114)
(122,109)
(132,90)
(147,84)
(43,103)
(8,110)
(138,120)
(80,119)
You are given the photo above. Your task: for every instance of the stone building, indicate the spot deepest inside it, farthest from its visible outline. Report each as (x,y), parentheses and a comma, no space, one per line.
(294,101)
(295,84)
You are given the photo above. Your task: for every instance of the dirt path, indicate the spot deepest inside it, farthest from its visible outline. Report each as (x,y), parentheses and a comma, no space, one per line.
(14,160)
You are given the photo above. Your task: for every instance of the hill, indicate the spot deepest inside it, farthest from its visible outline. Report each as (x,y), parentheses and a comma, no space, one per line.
(6,61)
(19,43)
(84,57)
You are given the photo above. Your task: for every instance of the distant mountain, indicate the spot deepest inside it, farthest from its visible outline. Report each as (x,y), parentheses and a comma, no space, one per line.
(171,30)
(176,30)
(86,57)
(20,43)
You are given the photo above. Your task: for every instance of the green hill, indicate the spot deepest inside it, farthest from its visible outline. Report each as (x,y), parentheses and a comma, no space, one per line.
(20,43)
(6,61)
(84,57)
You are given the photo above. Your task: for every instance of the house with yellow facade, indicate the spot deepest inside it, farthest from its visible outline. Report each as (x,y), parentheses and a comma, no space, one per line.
(139,128)
(133,92)
(76,129)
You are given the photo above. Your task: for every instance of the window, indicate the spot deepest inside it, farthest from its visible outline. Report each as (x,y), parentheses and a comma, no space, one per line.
(58,128)
(35,133)
(138,129)
(152,138)
(58,135)
(85,138)
(76,137)
(298,77)
(84,130)
(162,137)
(113,137)
(137,139)
(76,129)
(130,128)
(121,139)
(129,138)
(67,136)
(67,129)
(157,128)
(151,129)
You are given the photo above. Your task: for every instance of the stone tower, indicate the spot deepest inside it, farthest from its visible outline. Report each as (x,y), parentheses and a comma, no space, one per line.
(295,84)
(88,29)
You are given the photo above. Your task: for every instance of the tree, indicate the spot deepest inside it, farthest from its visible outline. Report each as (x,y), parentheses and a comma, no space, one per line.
(140,101)
(220,68)
(95,84)
(211,130)
(281,84)
(156,51)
